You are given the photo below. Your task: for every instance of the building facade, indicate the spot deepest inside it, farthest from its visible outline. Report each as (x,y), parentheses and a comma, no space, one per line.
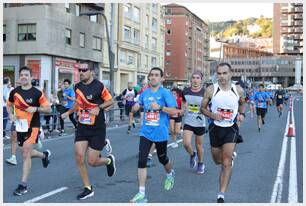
(186,45)
(288,28)
(52,39)
(138,41)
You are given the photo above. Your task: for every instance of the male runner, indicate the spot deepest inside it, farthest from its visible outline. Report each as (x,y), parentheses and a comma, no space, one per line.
(261,98)
(279,100)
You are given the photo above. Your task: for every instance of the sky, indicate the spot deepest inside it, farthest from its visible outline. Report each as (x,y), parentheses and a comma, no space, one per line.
(229,11)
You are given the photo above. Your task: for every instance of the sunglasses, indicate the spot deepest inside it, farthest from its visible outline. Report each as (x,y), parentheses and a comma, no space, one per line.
(83,70)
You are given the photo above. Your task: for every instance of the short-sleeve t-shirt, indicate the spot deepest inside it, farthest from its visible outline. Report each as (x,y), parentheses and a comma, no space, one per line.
(23,99)
(261,99)
(155,125)
(88,97)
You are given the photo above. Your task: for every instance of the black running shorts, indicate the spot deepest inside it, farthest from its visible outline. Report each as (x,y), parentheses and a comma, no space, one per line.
(177,119)
(95,138)
(261,112)
(219,136)
(199,131)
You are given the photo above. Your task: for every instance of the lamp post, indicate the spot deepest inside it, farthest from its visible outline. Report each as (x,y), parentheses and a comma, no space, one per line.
(111,55)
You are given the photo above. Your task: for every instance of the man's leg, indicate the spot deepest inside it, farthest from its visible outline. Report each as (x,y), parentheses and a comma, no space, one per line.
(72,119)
(199,147)
(216,153)
(226,168)
(172,129)
(187,136)
(80,150)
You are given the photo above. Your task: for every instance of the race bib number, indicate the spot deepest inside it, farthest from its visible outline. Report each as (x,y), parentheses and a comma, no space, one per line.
(260,104)
(152,118)
(193,108)
(280,96)
(227,114)
(22,125)
(86,118)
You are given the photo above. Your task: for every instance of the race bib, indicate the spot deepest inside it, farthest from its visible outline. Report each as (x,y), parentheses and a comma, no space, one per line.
(280,96)
(192,108)
(21,125)
(152,118)
(260,104)
(86,118)
(227,114)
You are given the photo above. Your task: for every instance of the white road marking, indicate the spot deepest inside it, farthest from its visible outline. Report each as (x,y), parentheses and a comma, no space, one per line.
(278,184)
(53,192)
(293,190)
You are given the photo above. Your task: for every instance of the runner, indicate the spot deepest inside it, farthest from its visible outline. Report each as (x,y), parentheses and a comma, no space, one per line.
(176,120)
(261,98)
(226,108)
(29,102)
(157,102)
(279,100)
(194,122)
(91,100)
(129,95)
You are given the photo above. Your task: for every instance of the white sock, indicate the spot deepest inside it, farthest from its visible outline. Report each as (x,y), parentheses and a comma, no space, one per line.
(142,190)
(14,156)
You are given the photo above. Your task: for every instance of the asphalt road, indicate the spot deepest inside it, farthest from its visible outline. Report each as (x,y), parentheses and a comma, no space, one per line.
(253,178)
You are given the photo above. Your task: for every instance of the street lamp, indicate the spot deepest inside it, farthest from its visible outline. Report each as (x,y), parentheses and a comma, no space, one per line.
(111,55)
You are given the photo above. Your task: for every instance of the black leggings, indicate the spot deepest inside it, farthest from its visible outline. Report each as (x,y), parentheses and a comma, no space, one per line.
(144,149)
(71,117)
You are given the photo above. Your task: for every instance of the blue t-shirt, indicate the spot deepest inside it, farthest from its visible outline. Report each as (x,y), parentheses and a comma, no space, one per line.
(67,103)
(261,99)
(155,126)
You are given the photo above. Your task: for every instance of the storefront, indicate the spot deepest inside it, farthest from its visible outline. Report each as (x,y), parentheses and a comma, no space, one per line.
(66,69)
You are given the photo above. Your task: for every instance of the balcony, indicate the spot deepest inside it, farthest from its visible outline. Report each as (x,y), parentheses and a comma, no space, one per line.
(298,16)
(299,9)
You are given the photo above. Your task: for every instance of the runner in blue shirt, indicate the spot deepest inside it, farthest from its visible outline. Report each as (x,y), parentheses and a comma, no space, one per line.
(261,98)
(157,103)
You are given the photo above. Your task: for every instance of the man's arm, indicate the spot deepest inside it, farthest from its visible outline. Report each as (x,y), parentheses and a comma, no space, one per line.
(241,108)
(9,107)
(70,111)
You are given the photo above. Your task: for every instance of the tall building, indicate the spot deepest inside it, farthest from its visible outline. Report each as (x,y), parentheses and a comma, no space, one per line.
(52,39)
(288,28)
(186,45)
(138,41)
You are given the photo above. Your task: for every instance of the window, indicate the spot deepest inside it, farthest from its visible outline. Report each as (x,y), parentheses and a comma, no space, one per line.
(26,32)
(93,18)
(168,21)
(136,36)
(168,53)
(82,40)
(128,11)
(154,25)
(153,62)
(168,63)
(131,59)
(154,43)
(146,61)
(147,22)
(77,10)
(68,36)
(136,14)
(168,31)
(168,11)
(67,6)
(127,33)
(4,33)
(154,7)
(169,42)
(122,57)
(147,41)
(97,43)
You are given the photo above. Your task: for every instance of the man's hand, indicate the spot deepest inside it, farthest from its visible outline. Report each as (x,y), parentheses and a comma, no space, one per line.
(31,109)
(12,117)
(95,111)
(155,106)
(240,118)
(65,115)
(217,116)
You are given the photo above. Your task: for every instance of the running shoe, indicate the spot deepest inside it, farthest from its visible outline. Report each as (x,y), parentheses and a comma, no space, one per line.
(12,160)
(45,160)
(139,198)
(20,190)
(86,193)
(201,168)
(193,160)
(234,157)
(111,167)
(149,162)
(220,200)
(134,124)
(108,146)
(169,181)
(174,145)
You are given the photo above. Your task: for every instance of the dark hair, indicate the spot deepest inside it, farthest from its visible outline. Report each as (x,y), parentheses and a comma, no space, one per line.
(262,85)
(25,68)
(6,80)
(68,81)
(158,69)
(224,64)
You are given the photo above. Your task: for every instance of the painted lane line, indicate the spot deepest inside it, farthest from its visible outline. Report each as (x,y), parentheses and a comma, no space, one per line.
(293,190)
(278,184)
(36,199)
